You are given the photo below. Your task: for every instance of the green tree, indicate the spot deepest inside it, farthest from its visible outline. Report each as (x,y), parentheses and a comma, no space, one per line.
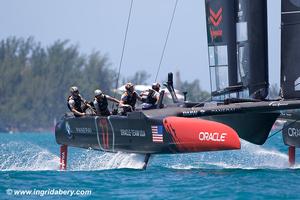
(193,89)
(35,81)
(139,78)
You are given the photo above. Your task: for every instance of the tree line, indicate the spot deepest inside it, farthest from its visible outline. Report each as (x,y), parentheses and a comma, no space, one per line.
(35,80)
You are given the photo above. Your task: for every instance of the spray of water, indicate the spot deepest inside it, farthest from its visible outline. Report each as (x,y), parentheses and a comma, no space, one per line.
(249,157)
(25,156)
(95,160)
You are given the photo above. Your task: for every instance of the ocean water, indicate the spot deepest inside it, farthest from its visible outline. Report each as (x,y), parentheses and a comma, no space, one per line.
(29,169)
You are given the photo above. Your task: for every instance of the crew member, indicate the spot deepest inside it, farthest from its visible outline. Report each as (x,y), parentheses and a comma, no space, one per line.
(101,103)
(76,103)
(150,97)
(129,98)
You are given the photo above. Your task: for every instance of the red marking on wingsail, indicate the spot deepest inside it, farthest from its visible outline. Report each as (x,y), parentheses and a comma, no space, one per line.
(216,15)
(194,135)
(216,23)
(217,33)
(216,18)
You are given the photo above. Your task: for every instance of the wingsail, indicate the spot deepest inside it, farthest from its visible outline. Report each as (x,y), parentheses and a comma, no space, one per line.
(221,35)
(252,46)
(238,48)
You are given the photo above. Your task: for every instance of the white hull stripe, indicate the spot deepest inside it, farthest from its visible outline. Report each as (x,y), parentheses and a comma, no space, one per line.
(96,124)
(113,132)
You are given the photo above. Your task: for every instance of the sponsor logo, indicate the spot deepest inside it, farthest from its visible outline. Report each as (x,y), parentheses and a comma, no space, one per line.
(68,130)
(76,130)
(294,132)
(132,133)
(216,19)
(215,137)
(216,33)
(276,104)
(83,130)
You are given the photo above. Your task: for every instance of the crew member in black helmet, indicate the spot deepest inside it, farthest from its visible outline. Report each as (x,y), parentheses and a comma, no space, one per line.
(76,103)
(100,103)
(150,97)
(129,98)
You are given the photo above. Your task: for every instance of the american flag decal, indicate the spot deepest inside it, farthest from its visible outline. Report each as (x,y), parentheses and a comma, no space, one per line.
(157,134)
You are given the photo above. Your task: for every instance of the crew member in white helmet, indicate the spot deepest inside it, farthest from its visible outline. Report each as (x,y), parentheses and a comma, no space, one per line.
(100,103)
(76,103)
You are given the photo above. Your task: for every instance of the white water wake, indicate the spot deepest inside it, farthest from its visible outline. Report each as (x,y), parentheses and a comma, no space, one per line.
(249,157)
(17,156)
(95,160)
(24,156)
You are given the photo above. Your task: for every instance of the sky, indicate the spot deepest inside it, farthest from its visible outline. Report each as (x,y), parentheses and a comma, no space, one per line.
(99,25)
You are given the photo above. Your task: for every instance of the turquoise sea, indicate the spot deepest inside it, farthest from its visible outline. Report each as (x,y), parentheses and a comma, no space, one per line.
(29,169)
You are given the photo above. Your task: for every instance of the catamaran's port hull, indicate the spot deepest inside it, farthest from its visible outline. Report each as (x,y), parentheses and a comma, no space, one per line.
(168,135)
(146,136)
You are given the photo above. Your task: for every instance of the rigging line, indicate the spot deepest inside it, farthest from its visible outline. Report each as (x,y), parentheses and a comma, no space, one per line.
(291,123)
(123,49)
(166,41)
(202,102)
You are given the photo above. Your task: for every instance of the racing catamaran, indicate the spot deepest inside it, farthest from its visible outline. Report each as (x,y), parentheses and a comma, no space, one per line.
(238,63)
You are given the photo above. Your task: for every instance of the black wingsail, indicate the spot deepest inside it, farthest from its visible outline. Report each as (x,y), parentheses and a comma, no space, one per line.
(238,47)
(252,46)
(221,35)
(290,43)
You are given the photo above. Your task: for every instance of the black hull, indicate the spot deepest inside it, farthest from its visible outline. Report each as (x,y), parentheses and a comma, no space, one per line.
(291,129)
(114,133)
(252,127)
(134,133)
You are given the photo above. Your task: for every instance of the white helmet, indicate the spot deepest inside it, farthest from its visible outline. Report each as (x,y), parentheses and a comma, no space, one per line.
(97,92)
(74,89)
(128,86)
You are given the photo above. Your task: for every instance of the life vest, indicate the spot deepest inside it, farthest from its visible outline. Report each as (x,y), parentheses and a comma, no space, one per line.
(101,106)
(130,100)
(151,97)
(77,105)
